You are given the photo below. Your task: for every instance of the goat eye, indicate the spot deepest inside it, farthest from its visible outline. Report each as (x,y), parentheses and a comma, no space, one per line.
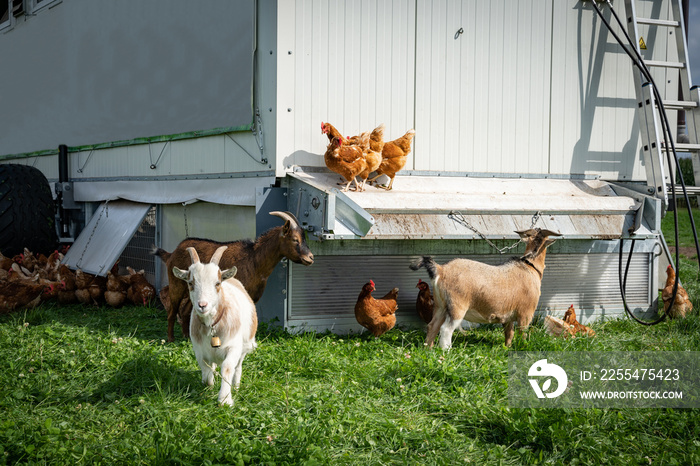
(218,284)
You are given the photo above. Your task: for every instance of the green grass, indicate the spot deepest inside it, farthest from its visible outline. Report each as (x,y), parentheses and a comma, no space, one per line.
(100,386)
(685,232)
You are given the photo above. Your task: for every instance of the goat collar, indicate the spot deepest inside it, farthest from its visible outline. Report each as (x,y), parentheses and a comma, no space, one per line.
(523,259)
(215,341)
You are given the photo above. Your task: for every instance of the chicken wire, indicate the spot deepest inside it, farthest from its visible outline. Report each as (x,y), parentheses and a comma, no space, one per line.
(137,253)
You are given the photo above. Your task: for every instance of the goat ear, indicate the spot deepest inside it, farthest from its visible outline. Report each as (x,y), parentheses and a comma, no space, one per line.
(229,273)
(527,234)
(181,274)
(546,233)
(548,243)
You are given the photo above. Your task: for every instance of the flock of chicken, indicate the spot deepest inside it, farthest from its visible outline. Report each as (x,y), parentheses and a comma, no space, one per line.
(26,280)
(378,315)
(367,153)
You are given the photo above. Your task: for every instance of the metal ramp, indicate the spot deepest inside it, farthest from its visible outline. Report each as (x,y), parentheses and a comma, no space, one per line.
(648,112)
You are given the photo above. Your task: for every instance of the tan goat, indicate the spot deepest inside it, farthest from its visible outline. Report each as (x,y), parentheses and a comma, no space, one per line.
(482,293)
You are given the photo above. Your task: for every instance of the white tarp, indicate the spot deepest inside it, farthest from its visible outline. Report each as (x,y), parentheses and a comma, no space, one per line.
(228,191)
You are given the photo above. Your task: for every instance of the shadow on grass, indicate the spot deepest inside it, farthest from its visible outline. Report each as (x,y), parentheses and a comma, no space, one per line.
(145,323)
(146,376)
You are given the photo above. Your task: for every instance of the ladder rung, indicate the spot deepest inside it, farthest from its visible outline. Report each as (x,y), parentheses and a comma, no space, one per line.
(665,64)
(680,104)
(688,147)
(691,190)
(658,22)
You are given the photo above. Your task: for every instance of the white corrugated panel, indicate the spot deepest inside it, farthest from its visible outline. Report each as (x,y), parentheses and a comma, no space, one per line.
(482,95)
(329,289)
(348,63)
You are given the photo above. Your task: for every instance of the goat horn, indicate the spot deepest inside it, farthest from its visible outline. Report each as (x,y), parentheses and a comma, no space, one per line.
(288,216)
(217,255)
(193,255)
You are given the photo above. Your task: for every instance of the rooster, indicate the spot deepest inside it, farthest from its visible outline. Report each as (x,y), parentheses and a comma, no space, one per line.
(424,302)
(376,315)
(347,161)
(682,305)
(394,156)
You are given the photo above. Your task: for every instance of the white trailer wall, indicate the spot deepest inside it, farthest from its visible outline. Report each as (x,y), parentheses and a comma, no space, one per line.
(534,87)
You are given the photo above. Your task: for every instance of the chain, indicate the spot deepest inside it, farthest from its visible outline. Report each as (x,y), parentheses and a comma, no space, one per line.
(184,213)
(92,233)
(80,169)
(458,217)
(154,165)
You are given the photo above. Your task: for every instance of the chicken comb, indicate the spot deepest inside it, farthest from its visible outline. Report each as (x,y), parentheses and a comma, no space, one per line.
(371,282)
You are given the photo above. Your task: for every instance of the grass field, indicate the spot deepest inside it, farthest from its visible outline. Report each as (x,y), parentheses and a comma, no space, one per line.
(100,386)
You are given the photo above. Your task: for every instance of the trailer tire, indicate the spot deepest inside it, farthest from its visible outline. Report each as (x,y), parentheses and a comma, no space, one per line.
(27,211)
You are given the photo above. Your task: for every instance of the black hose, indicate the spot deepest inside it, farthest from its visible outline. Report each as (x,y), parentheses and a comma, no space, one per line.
(623,287)
(668,143)
(667,136)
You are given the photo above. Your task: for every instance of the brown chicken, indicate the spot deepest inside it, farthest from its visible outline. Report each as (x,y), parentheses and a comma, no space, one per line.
(117,285)
(98,286)
(373,155)
(140,291)
(682,305)
(5,262)
(347,161)
(424,302)
(376,315)
(82,285)
(66,291)
(394,156)
(29,260)
(330,131)
(566,326)
(19,294)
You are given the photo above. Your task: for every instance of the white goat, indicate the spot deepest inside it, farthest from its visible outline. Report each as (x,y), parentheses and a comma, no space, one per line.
(223,326)
(482,293)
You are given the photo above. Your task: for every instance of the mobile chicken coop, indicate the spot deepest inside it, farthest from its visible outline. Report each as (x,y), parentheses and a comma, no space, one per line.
(180,119)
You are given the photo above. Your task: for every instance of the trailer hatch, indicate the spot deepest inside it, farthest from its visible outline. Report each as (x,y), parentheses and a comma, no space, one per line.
(105,236)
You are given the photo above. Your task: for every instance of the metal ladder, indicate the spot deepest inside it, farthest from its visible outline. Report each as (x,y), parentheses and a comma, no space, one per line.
(647,108)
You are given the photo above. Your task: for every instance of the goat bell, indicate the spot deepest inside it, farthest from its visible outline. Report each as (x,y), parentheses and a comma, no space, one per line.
(215,342)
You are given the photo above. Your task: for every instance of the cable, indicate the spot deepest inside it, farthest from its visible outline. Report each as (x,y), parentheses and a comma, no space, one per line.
(668,143)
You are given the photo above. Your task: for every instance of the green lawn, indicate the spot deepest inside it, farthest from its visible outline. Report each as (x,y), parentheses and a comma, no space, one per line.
(685,232)
(101,386)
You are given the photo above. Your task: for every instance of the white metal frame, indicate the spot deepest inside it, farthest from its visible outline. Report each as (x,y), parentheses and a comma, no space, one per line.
(10,21)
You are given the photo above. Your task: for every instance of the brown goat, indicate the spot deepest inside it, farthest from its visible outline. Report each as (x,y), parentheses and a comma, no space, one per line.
(482,293)
(255,262)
